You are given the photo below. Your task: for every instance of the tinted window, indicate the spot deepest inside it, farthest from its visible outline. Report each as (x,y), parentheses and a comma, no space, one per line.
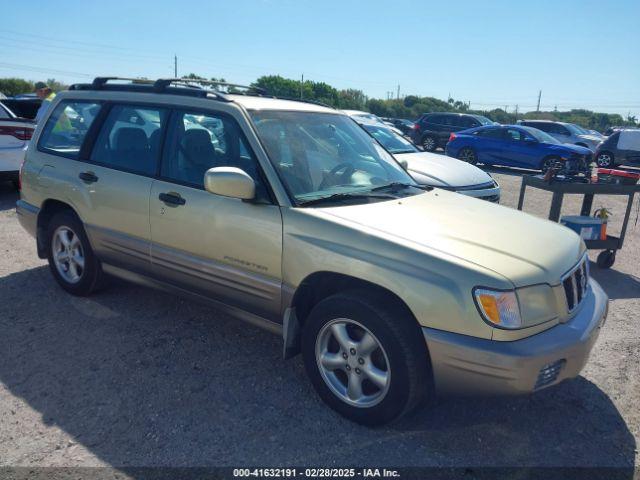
(129,139)
(196,142)
(3,112)
(437,119)
(66,128)
(468,122)
(490,133)
(514,135)
(545,127)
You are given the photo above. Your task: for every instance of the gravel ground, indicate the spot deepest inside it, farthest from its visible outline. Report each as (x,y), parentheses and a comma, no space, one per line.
(134,377)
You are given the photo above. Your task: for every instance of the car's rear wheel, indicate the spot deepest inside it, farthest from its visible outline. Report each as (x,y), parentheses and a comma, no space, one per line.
(71,259)
(468,155)
(429,143)
(605,160)
(366,357)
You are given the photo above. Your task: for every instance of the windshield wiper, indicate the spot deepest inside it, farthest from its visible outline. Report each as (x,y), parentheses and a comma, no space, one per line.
(343,196)
(395,186)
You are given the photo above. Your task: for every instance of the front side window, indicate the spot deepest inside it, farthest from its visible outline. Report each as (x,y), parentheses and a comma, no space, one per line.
(514,135)
(320,154)
(67,127)
(197,142)
(129,139)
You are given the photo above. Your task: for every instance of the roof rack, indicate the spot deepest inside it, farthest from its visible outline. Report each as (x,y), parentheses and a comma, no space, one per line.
(183,86)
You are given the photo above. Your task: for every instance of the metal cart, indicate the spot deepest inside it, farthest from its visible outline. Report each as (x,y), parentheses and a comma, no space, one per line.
(607,257)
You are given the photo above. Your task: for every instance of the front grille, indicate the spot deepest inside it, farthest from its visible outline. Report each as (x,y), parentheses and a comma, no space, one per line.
(549,373)
(575,284)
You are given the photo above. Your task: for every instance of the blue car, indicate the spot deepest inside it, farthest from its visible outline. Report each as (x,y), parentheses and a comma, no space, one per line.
(516,146)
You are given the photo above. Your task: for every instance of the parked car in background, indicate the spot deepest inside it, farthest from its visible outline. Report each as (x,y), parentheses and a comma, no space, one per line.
(432,130)
(596,133)
(360,116)
(24,106)
(620,148)
(15,134)
(565,132)
(435,170)
(402,124)
(516,146)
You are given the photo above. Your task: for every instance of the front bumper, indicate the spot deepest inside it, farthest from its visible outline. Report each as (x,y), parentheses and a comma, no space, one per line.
(490,194)
(27,216)
(470,365)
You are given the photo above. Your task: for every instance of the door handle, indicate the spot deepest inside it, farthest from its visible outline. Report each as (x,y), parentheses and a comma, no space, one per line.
(88,177)
(172,198)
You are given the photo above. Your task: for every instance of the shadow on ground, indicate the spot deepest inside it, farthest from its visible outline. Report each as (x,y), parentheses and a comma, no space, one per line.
(8,196)
(617,284)
(141,378)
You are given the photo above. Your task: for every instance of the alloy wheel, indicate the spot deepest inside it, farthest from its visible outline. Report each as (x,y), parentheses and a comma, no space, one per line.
(604,160)
(429,144)
(467,155)
(353,363)
(68,255)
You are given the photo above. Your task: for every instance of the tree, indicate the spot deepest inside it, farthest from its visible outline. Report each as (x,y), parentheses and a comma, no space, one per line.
(15,86)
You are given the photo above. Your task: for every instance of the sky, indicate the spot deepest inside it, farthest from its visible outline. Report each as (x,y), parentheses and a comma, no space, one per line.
(492,53)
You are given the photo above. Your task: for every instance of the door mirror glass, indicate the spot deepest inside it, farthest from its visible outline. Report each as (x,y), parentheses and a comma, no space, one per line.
(530,140)
(229,182)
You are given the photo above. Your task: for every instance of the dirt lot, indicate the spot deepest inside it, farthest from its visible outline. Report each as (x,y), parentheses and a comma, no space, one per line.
(133,377)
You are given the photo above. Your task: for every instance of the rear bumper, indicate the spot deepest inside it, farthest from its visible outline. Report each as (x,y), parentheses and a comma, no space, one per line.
(27,216)
(469,365)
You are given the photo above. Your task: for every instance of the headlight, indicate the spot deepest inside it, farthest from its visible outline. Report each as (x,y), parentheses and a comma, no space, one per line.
(520,308)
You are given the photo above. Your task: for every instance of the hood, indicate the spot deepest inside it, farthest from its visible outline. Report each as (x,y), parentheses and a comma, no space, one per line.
(568,147)
(591,138)
(524,249)
(442,171)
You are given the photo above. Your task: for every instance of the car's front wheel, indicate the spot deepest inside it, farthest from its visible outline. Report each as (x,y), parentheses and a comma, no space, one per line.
(366,357)
(605,160)
(71,259)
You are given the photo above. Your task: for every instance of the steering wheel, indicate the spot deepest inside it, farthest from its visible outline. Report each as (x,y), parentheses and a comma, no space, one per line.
(335,177)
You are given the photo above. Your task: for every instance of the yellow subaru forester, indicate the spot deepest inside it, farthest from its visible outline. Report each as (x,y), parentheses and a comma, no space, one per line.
(290,216)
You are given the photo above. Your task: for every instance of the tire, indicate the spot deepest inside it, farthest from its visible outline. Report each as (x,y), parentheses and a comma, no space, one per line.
(429,143)
(468,154)
(605,160)
(71,258)
(399,363)
(546,163)
(606,259)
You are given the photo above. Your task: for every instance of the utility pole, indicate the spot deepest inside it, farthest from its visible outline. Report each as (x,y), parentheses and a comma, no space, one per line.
(539,97)
(398,96)
(175,66)
(516,113)
(301,85)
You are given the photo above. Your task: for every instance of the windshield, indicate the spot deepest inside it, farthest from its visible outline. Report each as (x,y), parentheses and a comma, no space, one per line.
(483,120)
(321,154)
(576,129)
(541,136)
(393,142)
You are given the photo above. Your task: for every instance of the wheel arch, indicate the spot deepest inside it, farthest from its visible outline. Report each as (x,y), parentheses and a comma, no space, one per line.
(48,210)
(318,286)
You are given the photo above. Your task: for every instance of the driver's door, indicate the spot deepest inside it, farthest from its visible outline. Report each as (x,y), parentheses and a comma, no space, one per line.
(221,247)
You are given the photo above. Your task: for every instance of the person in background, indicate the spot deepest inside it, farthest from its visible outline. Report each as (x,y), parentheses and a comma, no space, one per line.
(47,95)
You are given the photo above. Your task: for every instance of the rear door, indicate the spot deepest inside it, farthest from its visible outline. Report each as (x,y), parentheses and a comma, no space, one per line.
(116,183)
(490,146)
(224,248)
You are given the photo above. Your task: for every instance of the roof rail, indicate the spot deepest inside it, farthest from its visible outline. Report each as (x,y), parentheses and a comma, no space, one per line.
(100,82)
(194,82)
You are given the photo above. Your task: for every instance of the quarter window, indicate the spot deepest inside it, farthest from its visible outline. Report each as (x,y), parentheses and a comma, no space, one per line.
(67,127)
(130,139)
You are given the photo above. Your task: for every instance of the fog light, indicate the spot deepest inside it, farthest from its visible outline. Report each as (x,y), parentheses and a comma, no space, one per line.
(549,373)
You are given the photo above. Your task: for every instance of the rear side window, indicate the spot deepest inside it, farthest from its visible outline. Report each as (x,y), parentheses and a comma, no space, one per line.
(468,122)
(495,133)
(67,127)
(129,139)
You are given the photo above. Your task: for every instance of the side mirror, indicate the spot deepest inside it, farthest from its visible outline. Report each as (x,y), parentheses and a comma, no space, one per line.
(530,141)
(230,182)
(404,164)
